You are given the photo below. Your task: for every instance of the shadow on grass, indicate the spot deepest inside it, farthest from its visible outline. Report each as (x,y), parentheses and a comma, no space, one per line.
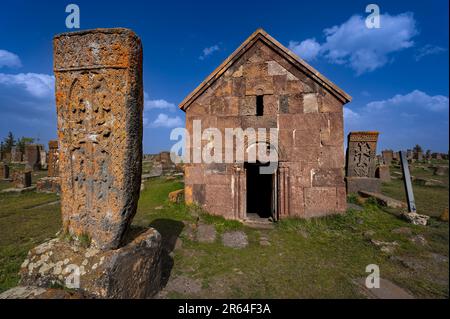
(170,230)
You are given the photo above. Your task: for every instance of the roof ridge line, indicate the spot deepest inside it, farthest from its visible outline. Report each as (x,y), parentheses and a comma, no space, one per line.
(260,32)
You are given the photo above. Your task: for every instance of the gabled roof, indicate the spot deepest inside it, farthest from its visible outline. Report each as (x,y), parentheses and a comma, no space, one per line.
(262,35)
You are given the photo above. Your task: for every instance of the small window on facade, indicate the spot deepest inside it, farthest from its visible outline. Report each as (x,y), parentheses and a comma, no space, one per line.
(260,105)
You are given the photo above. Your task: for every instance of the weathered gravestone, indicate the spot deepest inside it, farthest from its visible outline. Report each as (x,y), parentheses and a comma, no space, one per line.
(418,155)
(21,179)
(383,173)
(32,156)
(99,106)
(361,155)
(99,100)
(53,160)
(4,171)
(409,155)
(50,184)
(16,154)
(388,156)
(395,156)
(43,159)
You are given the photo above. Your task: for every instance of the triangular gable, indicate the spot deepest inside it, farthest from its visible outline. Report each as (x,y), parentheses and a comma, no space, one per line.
(262,35)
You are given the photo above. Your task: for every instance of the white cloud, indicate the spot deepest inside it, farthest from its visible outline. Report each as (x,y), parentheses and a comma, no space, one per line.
(163,120)
(428,50)
(414,99)
(208,51)
(403,120)
(307,49)
(9,59)
(36,84)
(158,104)
(350,115)
(360,48)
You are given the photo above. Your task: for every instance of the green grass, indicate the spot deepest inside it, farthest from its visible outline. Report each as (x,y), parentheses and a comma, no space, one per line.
(430,200)
(316,258)
(24,224)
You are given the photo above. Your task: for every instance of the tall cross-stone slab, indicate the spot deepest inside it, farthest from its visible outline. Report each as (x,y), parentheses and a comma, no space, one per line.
(361,164)
(99,101)
(362,150)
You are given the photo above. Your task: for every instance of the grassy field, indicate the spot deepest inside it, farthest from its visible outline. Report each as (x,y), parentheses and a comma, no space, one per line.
(317,258)
(430,200)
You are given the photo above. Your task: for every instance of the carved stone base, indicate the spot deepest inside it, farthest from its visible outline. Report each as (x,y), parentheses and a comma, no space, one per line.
(48,185)
(131,271)
(356,184)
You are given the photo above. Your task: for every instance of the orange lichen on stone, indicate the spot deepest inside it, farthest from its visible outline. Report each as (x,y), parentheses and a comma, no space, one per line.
(99,105)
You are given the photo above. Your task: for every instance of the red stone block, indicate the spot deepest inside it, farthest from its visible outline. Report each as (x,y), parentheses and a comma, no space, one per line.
(259,86)
(295,103)
(320,201)
(328,177)
(279,83)
(297,202)
(303,138)
(331,157)
(194,174)
(330,104)
(255,70)
(341,198)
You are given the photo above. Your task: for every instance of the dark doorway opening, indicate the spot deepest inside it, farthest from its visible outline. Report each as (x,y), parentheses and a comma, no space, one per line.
(259,105)
(260,192)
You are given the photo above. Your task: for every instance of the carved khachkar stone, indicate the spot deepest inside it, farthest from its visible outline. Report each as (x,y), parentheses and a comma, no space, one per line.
(53,159)
(22,179)
(361,162)
(362,149)
(99,103)
(32,155)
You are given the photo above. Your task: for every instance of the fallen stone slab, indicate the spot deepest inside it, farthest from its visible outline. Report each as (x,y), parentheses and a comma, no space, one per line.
(440,170)
(387,290)
(235,239)
(427,182)
(182,285)
(206,233)
(33,292)
(384,200)
(419,240)
(386,247)
(18,190)
(354,207)
(415,219)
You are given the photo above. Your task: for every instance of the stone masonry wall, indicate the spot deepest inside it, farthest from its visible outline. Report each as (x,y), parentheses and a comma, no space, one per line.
(310,123)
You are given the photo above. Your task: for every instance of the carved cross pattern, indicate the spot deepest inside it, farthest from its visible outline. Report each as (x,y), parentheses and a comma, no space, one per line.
(362,159)
(90,121)
(89,110)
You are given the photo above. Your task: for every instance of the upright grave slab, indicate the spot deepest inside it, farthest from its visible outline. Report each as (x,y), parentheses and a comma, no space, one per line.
(99,100)
(361,165)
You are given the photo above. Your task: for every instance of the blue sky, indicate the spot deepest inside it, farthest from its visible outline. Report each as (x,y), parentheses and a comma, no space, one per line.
(398,75)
